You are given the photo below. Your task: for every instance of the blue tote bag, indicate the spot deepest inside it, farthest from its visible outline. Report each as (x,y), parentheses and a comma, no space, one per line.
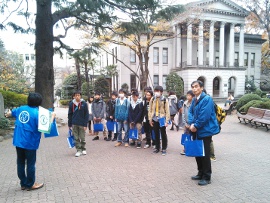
(133,134)
(111,125)
(70,139)
(194,148)
(162,121)
(185,137)
(98,127)
(54,131)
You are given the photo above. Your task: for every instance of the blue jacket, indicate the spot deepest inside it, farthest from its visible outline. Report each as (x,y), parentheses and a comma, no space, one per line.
(136,115)
(78,115)
(26,133)
(203,116)
(121,111)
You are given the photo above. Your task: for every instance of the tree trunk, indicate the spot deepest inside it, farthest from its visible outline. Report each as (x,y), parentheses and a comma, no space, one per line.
(44,79)
(79,80)
(87,78)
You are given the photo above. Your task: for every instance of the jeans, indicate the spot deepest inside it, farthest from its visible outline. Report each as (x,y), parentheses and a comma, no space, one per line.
(79,137)
(122,125)
(26,157)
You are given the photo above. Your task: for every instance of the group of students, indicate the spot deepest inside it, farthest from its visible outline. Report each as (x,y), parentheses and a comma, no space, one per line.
(199,119)
(131,112)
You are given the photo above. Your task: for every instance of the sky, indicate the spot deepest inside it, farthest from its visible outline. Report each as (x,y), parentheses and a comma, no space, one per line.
(22,42)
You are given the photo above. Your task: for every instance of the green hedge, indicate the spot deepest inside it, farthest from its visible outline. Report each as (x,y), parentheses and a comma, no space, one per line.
(245,99)
(12,99)
(249,104)
(4,123)
(64,102)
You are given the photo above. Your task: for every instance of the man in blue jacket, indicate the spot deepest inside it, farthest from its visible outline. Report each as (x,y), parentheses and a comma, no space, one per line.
(203,124)
(26,140)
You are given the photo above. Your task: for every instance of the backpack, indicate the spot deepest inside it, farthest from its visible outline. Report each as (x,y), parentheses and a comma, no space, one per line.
(220,114)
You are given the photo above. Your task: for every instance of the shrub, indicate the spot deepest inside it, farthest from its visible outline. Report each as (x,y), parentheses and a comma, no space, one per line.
(245,99)
(249,104)
(4,123)
(258,92)
(263,105)
(12,99)
(64,102)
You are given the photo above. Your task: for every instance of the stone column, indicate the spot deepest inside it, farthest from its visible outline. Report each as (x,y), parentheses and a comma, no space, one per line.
(241,46)
(189,45)
(231,54)
(178,46)
(211,44)
(221,44)
(200,44)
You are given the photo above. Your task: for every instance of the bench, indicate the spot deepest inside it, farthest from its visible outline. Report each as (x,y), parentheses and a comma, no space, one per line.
(253,113)
(229,108)
(264,121)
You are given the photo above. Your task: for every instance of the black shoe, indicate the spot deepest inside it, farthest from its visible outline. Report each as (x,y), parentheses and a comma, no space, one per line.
(177,128)
(105,138)
(95,138)
(196,177)
(172,129)
(132,144)
(203,182)
(108,139)
(156,151)
(139,145)
(114,139)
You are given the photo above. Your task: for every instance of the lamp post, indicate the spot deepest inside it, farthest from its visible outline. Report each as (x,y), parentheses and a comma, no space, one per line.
(248,86)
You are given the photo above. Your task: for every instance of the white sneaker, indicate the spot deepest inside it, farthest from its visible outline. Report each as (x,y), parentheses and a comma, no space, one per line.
(154,146)
(78,154)
(84,152)
(146,146)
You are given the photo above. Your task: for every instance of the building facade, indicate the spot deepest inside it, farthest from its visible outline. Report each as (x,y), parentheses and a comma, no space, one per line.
(212,48)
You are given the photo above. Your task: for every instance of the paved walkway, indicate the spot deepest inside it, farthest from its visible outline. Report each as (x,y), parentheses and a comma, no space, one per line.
(110,174)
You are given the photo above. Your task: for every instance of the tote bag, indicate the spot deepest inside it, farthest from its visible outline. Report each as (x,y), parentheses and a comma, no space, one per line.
(98,127)
(133,134)
(70,139)
(54,131)
(110,125)
(44,120)
(194,148)
(185,137)
(162,121)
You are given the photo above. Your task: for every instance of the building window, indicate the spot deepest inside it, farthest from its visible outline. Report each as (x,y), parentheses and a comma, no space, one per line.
(252,62)
(107,59)
(32,57)
(132,81)
(165,55)
(252,78)
(156,55)
(245,59)
(132,56)
(164,77)
(207,57)
(27,57)
(156,80)
(236,59)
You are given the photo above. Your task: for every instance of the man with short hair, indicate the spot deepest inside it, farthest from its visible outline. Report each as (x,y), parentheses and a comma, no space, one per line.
(159,110)
(99,115)
(121,116)
(26,139)
(203,124)
(77,121)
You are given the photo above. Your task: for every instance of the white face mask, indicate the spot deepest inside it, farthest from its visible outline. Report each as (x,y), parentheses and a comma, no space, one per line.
(157,94)
(121,95)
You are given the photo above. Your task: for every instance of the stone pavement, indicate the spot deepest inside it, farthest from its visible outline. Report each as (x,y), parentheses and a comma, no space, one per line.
(110,174)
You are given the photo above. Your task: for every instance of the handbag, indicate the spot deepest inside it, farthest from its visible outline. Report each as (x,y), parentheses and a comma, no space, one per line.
(185,137)
(70,139)
(194,148)
(162,121)
(133,134)
(98,127)
(44,120)
(110,125)
(54,131)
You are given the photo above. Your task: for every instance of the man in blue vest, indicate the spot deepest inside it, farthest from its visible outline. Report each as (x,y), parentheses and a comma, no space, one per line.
(26,140)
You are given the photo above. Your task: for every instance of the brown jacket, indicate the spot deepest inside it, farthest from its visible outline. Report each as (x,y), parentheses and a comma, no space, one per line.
(164,110)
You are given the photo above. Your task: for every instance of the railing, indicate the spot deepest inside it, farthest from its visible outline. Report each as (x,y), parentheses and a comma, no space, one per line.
(216,64)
